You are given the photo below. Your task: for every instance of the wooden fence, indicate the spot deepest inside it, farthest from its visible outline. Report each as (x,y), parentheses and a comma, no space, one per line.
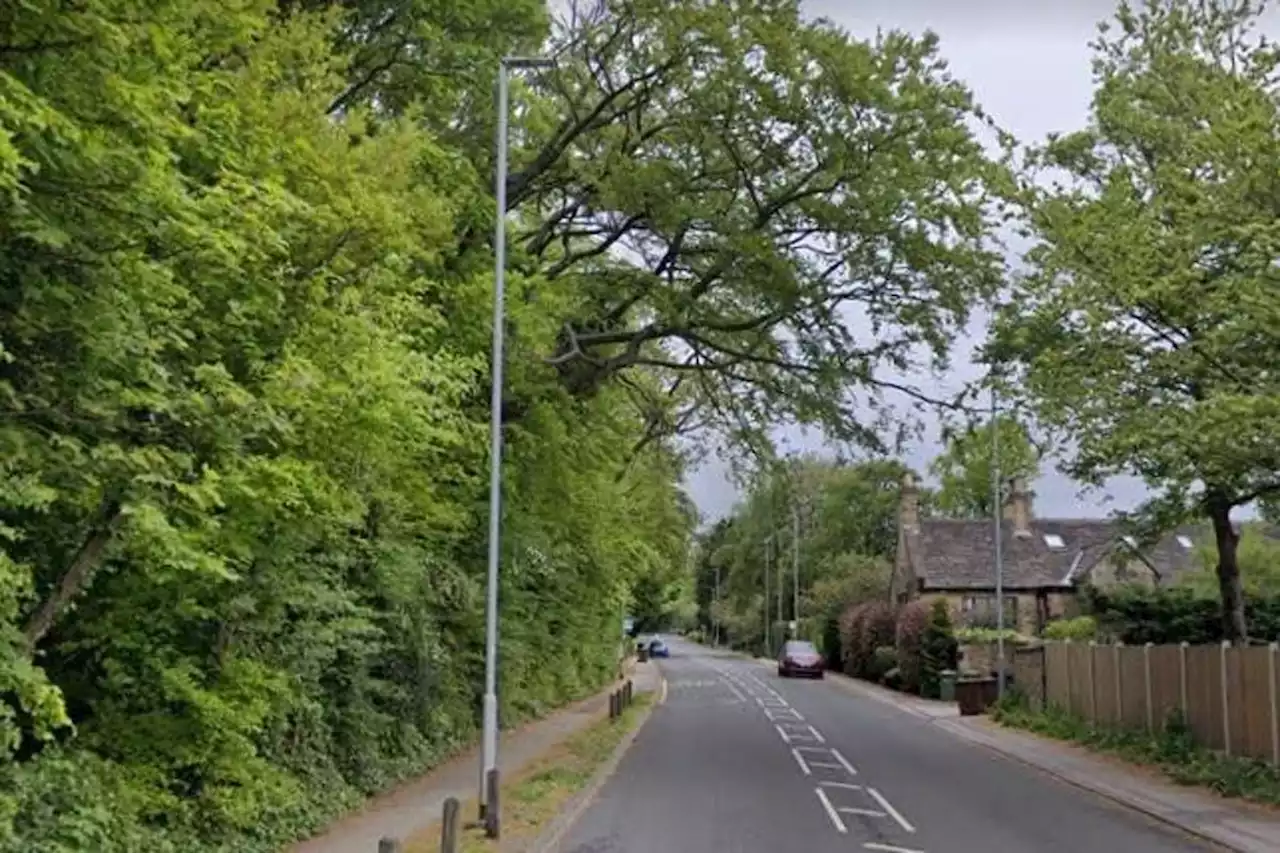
(1227,695)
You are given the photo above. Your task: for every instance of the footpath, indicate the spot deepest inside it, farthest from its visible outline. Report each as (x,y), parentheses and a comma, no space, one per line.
(418,803)
(1232,824)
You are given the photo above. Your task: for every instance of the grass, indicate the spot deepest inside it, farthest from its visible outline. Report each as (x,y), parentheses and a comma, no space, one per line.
(1172,751)
(542,790)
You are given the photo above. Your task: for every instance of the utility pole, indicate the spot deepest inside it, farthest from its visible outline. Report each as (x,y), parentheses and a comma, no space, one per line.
(768,550)
(795,566)
(715,609)
(997,509)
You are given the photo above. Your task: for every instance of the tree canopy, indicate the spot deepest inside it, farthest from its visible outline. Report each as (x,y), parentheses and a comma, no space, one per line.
(965,468)
(1144,330)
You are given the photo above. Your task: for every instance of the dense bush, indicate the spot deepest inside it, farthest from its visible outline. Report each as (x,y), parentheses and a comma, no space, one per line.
(938,648)
(883,661)
(913,620)
(1137,615)
(863,629)
(1079,628)
(984,636)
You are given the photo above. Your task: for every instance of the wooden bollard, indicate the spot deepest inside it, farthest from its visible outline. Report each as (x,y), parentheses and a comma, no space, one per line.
(491,818)
(388,845)
(449,826)
(613,705)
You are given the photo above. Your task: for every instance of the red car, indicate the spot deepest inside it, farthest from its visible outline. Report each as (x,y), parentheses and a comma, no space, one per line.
(799,657)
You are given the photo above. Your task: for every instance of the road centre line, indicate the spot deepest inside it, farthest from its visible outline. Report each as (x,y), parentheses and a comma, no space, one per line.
(831,812)
(893,813)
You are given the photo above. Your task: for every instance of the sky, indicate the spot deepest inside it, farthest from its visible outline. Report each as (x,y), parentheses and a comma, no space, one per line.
(1027,62)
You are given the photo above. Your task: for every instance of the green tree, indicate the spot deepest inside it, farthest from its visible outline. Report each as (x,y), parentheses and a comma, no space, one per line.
(964,468)
(1144,329)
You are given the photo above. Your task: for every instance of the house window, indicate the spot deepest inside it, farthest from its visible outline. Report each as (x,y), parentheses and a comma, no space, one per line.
(980,611)
(1054,541)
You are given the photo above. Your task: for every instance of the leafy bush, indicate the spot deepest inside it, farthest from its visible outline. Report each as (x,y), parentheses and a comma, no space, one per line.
(913,619)
(1138,615)
(1079,628)
(883,660)
(938,648)
(970,635)
(863,629)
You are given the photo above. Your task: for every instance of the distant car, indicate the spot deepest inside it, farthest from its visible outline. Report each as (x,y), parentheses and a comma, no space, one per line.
(658,649)
(799,657)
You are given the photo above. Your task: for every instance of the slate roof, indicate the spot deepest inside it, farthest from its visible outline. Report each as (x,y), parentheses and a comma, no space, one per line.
(960,554)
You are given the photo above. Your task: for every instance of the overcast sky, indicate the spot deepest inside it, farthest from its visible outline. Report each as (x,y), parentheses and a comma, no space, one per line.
(1027,62)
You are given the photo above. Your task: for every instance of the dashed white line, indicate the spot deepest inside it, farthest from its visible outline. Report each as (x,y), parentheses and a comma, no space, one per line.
(769,712)
(848,786)
(819,738)
(888,848)
(893,813)
(800,760)
(831,812)
(843,761)
(734,690)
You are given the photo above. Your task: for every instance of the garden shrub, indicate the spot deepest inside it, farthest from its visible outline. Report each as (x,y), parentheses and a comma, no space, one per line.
(913,618)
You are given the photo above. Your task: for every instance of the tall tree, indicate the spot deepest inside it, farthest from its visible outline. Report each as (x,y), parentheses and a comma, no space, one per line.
(965,468)
(1146,329)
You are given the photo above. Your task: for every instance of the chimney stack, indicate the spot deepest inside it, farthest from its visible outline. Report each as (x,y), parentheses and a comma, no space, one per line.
(909,505)
(1017,507)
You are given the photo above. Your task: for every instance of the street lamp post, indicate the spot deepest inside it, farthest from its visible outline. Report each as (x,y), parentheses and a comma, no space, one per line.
(489,742)
(998,508)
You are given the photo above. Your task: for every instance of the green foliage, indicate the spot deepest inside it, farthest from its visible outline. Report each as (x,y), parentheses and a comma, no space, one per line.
(1137,615)
(975,635)
(1142,332)
(912,623)
(883,661)
(1077,628)
(243,410)
(938,648)
(964,469)
(863,629)
(1172,749)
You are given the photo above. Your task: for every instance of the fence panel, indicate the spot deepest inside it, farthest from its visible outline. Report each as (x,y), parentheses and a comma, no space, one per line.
(1166,684)
(1057,662)
(1251,706)
(1204,694)
(1134,692)
(1106,708)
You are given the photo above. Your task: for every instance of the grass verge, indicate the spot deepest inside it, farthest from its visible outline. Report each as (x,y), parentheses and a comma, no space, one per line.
(1172,750)
(542,790)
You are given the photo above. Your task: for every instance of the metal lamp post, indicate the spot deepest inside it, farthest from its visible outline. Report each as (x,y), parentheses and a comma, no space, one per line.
(997,509)
(489,742)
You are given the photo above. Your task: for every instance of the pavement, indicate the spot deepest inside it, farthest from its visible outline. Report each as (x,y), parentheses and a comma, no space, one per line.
(739,761)
(417,804)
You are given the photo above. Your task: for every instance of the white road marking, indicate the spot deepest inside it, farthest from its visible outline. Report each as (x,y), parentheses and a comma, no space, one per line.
(893,813)
(889,848)
(819,738)
(862,812)
(844,761)
(769,712)
(734,690)
(846,785)
(800,760)
(831,812)
(786,738)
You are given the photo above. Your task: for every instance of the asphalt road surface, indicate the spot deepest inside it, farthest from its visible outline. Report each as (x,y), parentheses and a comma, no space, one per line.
(739,761)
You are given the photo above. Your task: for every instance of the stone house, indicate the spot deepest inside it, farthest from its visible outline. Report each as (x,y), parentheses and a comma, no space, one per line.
(1046,561)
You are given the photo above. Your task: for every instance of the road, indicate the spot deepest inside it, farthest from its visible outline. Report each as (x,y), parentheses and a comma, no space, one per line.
(739,761)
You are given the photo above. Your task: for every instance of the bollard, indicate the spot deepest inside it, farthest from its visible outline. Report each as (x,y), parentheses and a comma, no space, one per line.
(630,692)
(388,845)
(449,826)
(491,822)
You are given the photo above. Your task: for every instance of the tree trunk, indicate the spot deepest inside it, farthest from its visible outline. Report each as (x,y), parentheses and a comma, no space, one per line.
(77,575)
(1233,622)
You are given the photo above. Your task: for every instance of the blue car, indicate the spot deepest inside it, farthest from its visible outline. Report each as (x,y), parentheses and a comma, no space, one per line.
(658,649)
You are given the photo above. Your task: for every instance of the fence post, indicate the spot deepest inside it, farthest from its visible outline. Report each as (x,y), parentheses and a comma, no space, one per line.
(1271,689)
(1226,702)
(449,826)
(1071,682)
(1182,680)
(1146,666)
(1093,683)
(388,845)
(1115,664)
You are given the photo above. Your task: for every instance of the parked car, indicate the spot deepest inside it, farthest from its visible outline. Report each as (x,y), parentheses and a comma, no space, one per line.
(658,648)
(799,657)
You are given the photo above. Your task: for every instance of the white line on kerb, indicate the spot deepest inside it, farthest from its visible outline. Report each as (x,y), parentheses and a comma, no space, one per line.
(831,812)
(889,848)
(804,767)
(893,813)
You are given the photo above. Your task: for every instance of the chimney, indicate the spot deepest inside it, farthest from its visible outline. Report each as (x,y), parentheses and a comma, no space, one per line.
(1017,507)
(909,505)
